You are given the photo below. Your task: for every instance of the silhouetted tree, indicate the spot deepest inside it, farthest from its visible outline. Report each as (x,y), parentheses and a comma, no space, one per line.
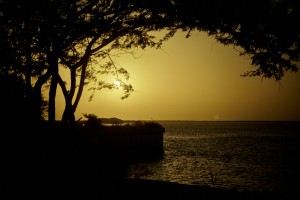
(14,110)
(267,31)
(105,27)
(76,35)
(21,53)
(40,37)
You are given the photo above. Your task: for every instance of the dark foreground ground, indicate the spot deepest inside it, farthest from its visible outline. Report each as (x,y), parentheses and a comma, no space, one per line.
(121,188)
(54,168)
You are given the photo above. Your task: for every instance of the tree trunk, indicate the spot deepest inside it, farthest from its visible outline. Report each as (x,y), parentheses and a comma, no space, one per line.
(81,83)
(53,64)
(52,95)
(37,95)
(68,118)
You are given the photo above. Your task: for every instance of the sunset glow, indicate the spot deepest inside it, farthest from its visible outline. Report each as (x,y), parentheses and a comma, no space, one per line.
(194,79)
(117,83)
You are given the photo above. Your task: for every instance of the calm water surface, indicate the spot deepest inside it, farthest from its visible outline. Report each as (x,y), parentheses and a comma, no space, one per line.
(257,156)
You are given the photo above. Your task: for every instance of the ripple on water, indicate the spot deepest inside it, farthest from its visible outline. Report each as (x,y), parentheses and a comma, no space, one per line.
(242,156)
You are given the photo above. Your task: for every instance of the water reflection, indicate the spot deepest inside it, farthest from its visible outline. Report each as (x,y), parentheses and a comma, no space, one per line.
(241,156)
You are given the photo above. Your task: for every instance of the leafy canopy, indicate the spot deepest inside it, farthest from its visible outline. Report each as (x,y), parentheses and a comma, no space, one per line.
(40,37)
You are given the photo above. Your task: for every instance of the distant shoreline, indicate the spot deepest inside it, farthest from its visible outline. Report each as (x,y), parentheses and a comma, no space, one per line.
(128,121)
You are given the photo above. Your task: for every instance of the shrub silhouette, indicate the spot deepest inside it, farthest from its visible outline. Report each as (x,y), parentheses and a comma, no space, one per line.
(92,121)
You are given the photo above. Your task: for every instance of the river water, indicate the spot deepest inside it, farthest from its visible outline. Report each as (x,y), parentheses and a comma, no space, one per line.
(252,156)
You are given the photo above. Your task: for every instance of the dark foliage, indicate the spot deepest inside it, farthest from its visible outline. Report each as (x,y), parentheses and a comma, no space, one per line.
(39,37)
(15,106)
(265,30)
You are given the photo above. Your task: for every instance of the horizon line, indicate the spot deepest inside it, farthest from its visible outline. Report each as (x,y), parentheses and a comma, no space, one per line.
(180,120)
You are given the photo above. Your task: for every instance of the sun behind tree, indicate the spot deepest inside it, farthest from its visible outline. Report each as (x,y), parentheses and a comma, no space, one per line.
(117,84)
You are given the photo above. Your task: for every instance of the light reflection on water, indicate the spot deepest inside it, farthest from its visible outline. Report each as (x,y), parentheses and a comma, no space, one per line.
(239,155)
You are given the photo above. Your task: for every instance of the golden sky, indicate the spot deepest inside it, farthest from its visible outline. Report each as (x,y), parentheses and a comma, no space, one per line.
(194,79)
